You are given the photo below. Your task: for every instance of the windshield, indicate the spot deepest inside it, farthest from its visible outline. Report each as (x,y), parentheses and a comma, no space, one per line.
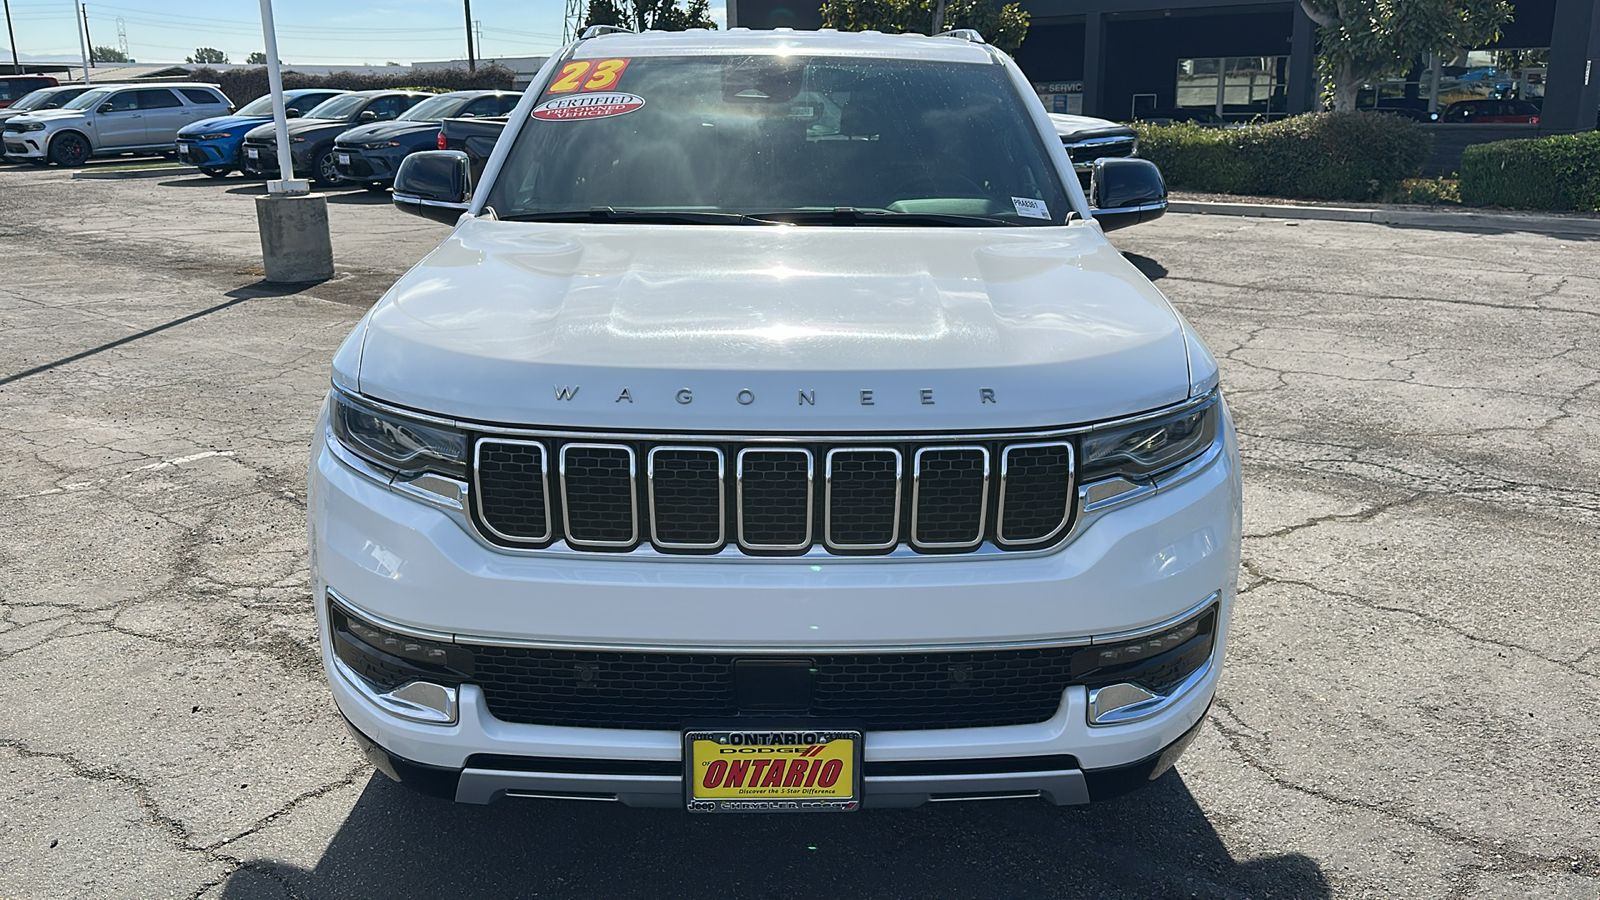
(33,100)
(436,109)
(260,106)
(337,108)
(85,101)
(767,135)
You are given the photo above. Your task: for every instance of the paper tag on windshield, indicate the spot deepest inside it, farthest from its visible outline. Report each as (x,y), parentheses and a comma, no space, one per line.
(1033,209)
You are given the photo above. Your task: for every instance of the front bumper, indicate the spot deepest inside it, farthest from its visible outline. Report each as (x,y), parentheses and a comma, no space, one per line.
(266,162)
(377,166)
(26,144)
(417,566)
(209,154)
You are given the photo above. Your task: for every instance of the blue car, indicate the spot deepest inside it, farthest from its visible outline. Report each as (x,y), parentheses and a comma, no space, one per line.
(213,144)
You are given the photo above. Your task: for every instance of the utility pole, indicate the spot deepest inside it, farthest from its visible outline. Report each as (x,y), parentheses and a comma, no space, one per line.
(86,39)
(15,65)
(83,43)
(472,60)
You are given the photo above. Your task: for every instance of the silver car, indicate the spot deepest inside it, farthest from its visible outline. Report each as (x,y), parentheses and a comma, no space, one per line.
(112,120)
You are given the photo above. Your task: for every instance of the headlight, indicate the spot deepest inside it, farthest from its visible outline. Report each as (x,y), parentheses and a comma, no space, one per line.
(379,145)
(395,442)
(1152,445)
(30,126)
(220,135)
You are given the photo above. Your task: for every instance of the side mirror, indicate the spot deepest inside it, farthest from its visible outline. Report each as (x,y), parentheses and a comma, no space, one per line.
(1126,192)
(104,108)
(367,115)
(434,184)
(292,113)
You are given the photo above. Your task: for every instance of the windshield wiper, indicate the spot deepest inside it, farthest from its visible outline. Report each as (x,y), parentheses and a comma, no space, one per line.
(642,216)
(850,215)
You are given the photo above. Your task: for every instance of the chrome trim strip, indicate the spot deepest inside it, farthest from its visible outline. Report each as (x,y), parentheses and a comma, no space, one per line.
(1103,141)
(402,702)
(354,611)
(1061,787)
(419,201)
(544,475)
(878,437)
(827,499)
(434,488)
(633,496)
(1148,630)
(811,478)
(1141,208)
(1066,512)
(916,498)
(482,785)
(722,502)
(1161,703)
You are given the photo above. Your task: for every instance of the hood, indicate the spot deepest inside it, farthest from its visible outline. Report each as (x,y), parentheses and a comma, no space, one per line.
(297,127)
(47,115)
(771,329)
(222,123)
(387,131)
(1086,126)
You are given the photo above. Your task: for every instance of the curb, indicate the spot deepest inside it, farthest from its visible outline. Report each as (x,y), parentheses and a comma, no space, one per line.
(163,172)
(1412,217)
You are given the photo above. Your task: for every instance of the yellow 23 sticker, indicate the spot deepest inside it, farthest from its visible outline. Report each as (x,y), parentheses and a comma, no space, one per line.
(588,75)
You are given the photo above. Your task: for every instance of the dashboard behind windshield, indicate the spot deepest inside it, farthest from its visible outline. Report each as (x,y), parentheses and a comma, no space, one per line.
(755,135)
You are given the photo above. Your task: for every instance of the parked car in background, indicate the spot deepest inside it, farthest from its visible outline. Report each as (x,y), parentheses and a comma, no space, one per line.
(370,154)
(15,87)
(42,99)
(311,137)
(474,137)
(112,120)
(214,145)
(1497,112)
(1088,139)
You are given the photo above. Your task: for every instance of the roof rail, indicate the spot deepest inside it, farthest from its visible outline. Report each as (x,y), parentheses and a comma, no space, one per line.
(963,34)
(594,31)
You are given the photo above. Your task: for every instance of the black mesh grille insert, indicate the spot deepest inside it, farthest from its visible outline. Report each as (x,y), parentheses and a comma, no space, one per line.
(597,489)
(950,496)
(775,498)
(511,489)
(863,497)
(1038,491)
(686,496)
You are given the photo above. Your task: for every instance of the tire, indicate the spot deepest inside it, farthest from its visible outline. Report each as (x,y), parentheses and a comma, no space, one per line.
(323,172)
(69,149)
(218,173)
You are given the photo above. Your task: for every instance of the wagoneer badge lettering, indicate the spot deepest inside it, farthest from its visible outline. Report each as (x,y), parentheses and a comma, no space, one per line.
(747,397)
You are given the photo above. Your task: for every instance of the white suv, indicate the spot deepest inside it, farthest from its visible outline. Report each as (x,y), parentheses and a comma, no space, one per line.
(110,120)
(739,452)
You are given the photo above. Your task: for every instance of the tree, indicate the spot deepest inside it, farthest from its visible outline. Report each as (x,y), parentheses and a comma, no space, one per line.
(643,15)
(107,54)
(1365,40)
(1003,26)
(208,56)
(256,58)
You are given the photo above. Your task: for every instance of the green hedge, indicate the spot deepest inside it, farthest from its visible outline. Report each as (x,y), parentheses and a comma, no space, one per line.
(1320,156)
(1561,172)
(244,85)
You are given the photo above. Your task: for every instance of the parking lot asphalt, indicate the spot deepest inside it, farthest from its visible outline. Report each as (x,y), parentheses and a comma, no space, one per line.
(1410,706)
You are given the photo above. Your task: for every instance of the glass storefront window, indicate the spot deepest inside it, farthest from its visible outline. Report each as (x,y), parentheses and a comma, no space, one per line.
(1496,87)
(1235,88)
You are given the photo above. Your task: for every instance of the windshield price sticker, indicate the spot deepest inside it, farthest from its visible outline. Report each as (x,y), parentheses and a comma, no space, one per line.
(588,75)
(773,771)
(587,106)
(1033,209)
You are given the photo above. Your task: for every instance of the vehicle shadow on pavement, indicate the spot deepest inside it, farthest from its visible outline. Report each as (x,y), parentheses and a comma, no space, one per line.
(1154,843)
(1146,266)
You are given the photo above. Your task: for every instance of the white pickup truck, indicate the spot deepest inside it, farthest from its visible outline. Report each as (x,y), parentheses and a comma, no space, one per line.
(775,431)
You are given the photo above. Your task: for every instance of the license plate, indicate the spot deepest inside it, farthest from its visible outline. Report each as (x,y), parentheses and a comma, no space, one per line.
(344,159)
(253,154)
(772,771)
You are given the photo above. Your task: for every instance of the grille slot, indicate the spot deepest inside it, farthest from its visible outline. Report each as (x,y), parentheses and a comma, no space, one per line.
(1036,486)
(597,495)
(775,498)
(513,490)
(686,497)
(950,497)
(863,498)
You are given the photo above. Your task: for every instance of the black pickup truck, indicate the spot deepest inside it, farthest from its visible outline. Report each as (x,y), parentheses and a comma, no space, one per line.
(475,137)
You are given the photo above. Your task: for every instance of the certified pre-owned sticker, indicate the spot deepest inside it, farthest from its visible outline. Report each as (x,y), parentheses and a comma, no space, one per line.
(587,106)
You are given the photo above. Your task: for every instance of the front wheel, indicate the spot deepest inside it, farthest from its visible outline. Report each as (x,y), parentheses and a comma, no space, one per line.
(70,149)
(218,173)
(325,173)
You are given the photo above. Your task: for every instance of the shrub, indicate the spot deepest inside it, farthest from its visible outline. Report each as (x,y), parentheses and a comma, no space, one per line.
(1320,156)
(244,85)
(1560,172)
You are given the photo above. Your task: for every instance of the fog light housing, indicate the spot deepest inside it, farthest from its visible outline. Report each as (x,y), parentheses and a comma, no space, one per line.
(1138,677)
(407,676)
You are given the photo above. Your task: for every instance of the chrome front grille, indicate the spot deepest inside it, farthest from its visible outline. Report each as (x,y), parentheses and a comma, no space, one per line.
(769,498)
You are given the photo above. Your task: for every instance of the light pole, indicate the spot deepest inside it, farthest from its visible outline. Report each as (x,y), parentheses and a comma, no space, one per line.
(83,42)
(472,62)
(295,244)
(16,66)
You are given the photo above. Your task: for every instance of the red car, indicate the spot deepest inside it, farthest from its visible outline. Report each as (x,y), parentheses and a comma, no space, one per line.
(13,87)
(1498,112)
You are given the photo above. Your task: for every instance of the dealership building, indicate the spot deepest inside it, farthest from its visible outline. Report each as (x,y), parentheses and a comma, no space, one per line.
(1243,60)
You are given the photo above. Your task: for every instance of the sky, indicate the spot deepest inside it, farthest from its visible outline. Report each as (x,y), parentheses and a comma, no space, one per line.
(352,32)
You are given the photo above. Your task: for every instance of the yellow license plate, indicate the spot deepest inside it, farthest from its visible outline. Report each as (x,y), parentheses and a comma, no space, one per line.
(772,771)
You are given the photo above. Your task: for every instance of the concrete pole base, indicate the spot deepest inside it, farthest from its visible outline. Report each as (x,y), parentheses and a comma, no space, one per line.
(295,245)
